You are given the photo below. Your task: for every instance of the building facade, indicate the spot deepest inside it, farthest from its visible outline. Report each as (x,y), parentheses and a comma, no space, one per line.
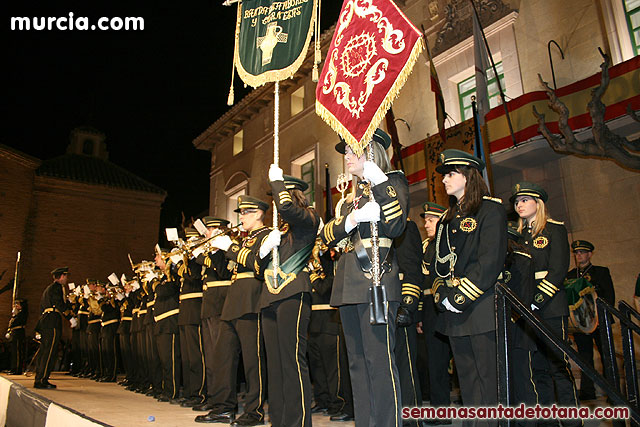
(586,193)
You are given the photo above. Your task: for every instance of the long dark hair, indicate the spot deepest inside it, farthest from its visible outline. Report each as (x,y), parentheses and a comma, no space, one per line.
(474,190)
(299,199)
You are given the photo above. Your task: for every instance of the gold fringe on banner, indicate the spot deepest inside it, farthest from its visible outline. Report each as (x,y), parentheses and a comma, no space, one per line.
(358,146)
(233,64)
(273,75)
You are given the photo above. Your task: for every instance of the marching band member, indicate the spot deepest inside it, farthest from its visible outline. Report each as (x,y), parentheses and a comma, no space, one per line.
(286,302)
(240,326)
(370,347)
(470,249)
(547,242)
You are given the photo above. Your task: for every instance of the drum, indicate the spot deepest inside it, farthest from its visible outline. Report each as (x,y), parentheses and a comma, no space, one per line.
(583,313)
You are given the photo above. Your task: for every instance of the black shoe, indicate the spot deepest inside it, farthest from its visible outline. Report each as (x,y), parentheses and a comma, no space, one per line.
(162,398)
(176,401)
(44,385)
(248,420)
(317,408)
(212,417)
(206,406)
(341,417)
(190,403)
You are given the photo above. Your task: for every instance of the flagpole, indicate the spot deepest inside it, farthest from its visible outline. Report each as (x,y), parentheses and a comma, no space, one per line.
(495,74)
(275,259)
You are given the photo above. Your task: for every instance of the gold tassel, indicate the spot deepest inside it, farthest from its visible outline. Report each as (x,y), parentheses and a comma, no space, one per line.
(230,97)
(314,73)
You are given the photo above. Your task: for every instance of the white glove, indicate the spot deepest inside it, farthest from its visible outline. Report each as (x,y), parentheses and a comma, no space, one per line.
(370,212)
(372,173)
(534,307)
(221,242)
(449,307)
(74,322)
(272,240)
(8,335)
(275,173)
(38,336)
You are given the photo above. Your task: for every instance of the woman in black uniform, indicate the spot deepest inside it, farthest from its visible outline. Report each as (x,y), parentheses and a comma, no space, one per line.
(286,302)
(370,348)
(547,243)
(470,246)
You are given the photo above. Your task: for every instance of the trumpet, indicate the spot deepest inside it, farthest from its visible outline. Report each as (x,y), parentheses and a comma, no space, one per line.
(142,266)
(203,243)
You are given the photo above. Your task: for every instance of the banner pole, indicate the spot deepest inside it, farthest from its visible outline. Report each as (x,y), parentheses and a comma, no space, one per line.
(15,281)
(275,259)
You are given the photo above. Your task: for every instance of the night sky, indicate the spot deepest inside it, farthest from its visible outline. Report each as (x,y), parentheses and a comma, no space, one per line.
(151,92)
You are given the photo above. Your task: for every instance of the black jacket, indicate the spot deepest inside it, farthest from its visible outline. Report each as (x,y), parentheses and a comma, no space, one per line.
(52,307)
(351,286)
(190,293)
(299,231)
(243,296)
(215,283)
(166,307)
(550,252)
(409,253)
(480,245)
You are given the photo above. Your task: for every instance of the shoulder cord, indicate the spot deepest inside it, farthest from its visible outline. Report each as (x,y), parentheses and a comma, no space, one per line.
(451,257)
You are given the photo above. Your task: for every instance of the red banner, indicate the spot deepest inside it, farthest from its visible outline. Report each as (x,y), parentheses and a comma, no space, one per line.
(372,53)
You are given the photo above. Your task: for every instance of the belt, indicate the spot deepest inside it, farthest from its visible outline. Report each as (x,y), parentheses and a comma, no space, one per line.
(51,310)
(91,322)
(150,303)
(110,322)
(217,283)
(191,295)
(322,307)
(166,314)
(83,312)
(245,275)
(126,318)
(142,312)
(383,242)
(135,310)
(541,274)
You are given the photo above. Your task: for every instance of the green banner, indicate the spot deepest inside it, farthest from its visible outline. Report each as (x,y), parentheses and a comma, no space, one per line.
(272,38)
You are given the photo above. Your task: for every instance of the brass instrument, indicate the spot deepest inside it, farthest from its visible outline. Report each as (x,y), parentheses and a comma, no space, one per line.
(203,243)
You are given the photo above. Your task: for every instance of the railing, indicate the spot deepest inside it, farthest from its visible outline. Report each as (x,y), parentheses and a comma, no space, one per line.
(506,301)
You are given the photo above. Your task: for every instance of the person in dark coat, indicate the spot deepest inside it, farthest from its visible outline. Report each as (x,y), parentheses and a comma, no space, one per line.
(470,249)
(16,335)
(546,240)
(286,301)
(408,249)
(380,196)
(600,278)
(436,345)
(53,307)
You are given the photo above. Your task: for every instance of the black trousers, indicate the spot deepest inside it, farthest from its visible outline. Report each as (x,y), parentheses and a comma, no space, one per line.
(210,331)
(551,368)
(584,342)
(438,355)
(193,370)
(320,369)
(76,356)
(48,353)
(17,351)
(154,367)
(126,355)
(243,334)
(372,366)
(85,366)
(93,347)
(475,357)
(285,325)
(108,355)
(169,352)
(406,359)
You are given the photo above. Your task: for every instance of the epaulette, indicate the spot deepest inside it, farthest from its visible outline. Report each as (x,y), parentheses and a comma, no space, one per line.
(425,243)
(493,199)
(395,171)
(553,221)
